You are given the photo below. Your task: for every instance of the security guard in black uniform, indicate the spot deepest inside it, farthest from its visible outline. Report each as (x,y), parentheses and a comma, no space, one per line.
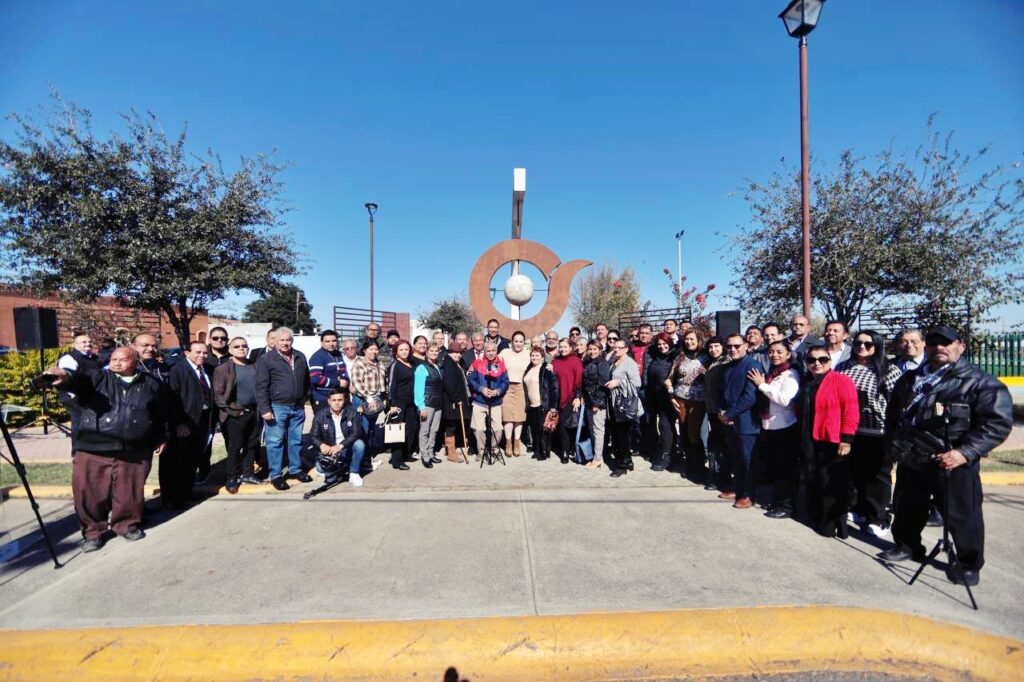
(943,418)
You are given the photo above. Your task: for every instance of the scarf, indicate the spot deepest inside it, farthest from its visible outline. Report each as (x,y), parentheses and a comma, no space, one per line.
(773,373)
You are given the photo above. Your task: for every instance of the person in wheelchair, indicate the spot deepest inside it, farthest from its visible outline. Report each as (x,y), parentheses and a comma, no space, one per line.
(339,440)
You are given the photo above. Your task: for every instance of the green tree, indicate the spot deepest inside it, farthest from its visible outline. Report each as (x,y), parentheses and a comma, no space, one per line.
(601,294)
(451,315)
(929,230)
(284,306)
(138,217)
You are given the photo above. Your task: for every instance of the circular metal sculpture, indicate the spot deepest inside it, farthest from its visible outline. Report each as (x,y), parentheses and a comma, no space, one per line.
(518,288)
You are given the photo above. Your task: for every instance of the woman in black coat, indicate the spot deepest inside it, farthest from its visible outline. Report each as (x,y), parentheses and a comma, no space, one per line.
(401,405)
(659,399)
(596,373)
(456,395)
(541,388)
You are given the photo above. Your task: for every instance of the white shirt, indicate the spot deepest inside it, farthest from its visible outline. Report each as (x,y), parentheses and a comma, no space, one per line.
(781,392)
(199,372)
(338,437)
(349,364)
(910,364)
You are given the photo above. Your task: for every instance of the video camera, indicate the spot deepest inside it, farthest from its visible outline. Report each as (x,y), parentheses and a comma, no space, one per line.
(916,447)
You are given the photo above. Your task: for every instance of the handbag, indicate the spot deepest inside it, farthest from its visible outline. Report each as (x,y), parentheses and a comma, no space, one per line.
(584,448)
(626,402)
(394,432)
(551,421)
(373,404)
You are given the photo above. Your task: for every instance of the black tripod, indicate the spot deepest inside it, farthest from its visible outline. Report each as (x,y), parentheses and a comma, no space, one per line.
(15,461)
(946,544)
(490,454)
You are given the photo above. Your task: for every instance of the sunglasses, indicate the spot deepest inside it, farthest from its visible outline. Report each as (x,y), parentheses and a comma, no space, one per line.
(733,346)
(218,338)
(864,344)
(821,360)
(242,346)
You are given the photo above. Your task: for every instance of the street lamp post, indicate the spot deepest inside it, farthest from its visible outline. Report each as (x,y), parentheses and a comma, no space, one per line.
(800,18)
(371,209)
(679,262)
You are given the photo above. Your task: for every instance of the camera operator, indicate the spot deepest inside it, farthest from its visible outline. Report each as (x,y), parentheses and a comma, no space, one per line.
(942,419)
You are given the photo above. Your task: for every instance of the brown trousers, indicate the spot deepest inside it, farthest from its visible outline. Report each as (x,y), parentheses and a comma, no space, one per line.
(106,486)
(691,415)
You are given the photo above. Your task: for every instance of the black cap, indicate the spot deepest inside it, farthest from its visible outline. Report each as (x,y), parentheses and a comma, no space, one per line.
(454,347)
(941,334)
(392,332)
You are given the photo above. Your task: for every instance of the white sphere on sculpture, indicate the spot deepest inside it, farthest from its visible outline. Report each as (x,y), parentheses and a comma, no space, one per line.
(518,289)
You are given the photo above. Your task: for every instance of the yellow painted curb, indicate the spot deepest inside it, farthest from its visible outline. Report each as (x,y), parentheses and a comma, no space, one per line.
(1012,381)
(1002,478)
(612,646)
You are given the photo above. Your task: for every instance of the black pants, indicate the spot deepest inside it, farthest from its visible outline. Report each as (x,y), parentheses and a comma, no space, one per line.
(178,466)
(778,457)
(871,478)
(965,521)
(411,418)
(541,439)
(720,470)
(664,416)
(621,454)
(828,488)
(242,440)
(566,445)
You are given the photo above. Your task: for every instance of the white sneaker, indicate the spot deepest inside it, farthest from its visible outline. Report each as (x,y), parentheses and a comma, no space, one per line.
(356,480)
(879,531)
(854,517)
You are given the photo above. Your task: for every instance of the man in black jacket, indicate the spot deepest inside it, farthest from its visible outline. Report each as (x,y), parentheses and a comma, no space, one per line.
(123,423)
(942,419)
(282,384)
(80,357)
(337,433)
(192,416)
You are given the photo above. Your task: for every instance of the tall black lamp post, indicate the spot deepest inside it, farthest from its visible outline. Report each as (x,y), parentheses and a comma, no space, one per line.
(371,209)
(800,18)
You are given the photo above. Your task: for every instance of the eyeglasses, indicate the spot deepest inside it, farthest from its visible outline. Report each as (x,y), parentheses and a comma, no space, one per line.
(218,338)
(734,346)
(864,344)
(820,360)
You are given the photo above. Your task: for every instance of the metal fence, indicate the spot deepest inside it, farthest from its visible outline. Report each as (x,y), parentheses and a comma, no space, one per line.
(999,354)
(654,317)
(351,323)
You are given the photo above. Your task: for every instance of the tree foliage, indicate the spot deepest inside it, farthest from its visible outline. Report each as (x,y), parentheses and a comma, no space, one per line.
(695,299)
(136,216)
(283,306)
(930,230)
(601,294)
(451,315)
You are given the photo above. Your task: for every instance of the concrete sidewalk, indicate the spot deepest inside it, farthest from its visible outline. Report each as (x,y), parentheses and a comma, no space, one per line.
(371,554)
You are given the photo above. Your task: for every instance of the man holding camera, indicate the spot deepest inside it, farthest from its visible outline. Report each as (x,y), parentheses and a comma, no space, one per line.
(943,417)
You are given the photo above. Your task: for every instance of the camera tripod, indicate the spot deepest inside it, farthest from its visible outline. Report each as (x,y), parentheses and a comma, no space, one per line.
(945,544)
(491,454)
(15,461)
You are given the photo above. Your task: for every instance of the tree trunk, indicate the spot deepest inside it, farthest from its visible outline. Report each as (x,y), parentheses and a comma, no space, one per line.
(180,319)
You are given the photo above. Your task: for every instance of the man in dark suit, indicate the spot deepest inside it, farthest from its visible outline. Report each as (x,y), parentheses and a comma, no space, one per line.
(801,340)
(191,416)
(255,353)
(474,352)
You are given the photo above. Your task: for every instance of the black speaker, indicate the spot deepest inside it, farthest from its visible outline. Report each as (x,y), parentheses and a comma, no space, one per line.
(727,322)
(35,328)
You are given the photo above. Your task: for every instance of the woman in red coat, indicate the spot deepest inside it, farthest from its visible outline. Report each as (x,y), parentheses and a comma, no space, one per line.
(829,416)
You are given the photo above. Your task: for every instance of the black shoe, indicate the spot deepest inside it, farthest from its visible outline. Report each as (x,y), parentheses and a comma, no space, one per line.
(428,464)
(897,553)
(435,460)
(232,486)
(777,513)
(969,578)
(563,460)
(934,519)
(629,465)
(91,544)
(202,477)
(279,483)
(659,466)
(617,472)
(302,477)
(710,485)
(401,467)
(252,480)
(134,534)
(842,531)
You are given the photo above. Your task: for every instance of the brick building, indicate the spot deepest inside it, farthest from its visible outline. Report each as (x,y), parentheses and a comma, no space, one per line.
(104,317)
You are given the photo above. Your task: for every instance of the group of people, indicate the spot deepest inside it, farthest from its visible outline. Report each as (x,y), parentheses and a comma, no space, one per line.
(798,425)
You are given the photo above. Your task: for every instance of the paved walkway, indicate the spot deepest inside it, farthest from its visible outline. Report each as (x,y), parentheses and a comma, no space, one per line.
(460,541)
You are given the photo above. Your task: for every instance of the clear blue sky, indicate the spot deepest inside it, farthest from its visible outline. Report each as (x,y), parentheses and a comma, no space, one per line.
(634,120)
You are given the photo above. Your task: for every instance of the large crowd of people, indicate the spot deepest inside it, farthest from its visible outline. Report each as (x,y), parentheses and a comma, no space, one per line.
(797,425)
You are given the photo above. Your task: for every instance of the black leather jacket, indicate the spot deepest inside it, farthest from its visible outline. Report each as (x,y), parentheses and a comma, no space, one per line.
(118,417)
(978,405)
(322,432)
(596,373)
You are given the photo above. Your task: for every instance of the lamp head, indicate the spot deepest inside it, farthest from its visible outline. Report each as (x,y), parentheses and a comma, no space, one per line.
(371,209)
(801,16)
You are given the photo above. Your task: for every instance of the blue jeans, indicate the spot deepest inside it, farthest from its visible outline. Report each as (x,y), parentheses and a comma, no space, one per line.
(287,426)
(741,453)
(353,454)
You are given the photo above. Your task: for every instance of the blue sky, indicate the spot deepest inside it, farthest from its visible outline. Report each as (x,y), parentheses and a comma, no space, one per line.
(634,120)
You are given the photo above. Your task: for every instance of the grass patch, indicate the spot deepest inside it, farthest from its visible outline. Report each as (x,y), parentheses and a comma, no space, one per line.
(1006,460)
(59,473)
